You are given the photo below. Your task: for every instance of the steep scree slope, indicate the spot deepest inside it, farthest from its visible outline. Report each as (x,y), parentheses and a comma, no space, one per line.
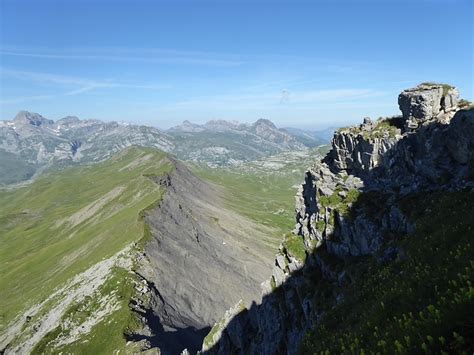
(201,259)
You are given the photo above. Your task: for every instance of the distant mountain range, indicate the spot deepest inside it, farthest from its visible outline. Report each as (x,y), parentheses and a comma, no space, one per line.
(309,138)
(31,143)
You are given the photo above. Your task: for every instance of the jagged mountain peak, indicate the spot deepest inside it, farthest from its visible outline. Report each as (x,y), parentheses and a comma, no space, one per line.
(263,122)
(68,120)
(32,118)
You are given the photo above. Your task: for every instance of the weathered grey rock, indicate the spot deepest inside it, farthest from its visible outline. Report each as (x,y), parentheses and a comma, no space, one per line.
(342,193)
(232,327)
(294,266)
(460,141)
(353,182)
(398,222)
(281,261)
(358,153)
(367,121)
(278,275)
(325,191)
(425,102)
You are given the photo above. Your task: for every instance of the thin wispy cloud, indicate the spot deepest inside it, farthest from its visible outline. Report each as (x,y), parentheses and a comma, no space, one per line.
(122,54)
(82,85)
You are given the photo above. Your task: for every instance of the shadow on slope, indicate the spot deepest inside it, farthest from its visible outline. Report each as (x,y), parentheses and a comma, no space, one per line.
(171,341)
(413,293)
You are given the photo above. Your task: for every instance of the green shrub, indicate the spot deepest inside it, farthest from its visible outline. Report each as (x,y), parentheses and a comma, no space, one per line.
(382,127)
(320,225)
(294,246)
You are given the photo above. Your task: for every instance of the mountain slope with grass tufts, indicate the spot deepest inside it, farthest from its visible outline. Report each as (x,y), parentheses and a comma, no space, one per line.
(66,243)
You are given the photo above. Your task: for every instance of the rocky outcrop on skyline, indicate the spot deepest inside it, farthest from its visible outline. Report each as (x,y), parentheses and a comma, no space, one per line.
(428,101)
(350,206)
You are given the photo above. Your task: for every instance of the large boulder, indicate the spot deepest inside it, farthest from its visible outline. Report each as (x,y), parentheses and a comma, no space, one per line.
(426,102)
(360,149)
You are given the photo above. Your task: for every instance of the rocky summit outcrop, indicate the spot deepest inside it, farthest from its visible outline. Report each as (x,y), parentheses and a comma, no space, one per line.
(349,206)
(360,149)
(427,101)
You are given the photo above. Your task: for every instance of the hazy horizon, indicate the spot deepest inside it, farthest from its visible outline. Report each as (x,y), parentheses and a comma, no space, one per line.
(249,122)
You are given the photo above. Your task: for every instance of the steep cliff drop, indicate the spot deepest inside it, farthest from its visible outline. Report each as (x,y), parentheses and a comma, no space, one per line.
(378,270)
(200,259)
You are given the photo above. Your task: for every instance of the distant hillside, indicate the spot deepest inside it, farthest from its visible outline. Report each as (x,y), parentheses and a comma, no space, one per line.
(31,143)
(312,138)
(220,142)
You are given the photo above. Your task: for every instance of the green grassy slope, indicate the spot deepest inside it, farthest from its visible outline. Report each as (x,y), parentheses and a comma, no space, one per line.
(14,169)
(264,190)
(67,221)
(423,302)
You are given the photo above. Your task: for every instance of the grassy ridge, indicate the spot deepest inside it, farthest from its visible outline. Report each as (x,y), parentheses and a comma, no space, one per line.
(67,221)
(265,195)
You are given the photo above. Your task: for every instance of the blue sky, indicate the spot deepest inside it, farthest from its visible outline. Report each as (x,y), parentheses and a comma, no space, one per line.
(309,64)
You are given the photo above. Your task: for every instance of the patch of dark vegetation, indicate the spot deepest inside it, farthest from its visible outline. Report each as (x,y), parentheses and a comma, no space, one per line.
(372,203)
(420,302)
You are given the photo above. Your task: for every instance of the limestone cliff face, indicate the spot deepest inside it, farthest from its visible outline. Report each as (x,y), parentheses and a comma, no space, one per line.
(427,101)
(360,149)
(348,206)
